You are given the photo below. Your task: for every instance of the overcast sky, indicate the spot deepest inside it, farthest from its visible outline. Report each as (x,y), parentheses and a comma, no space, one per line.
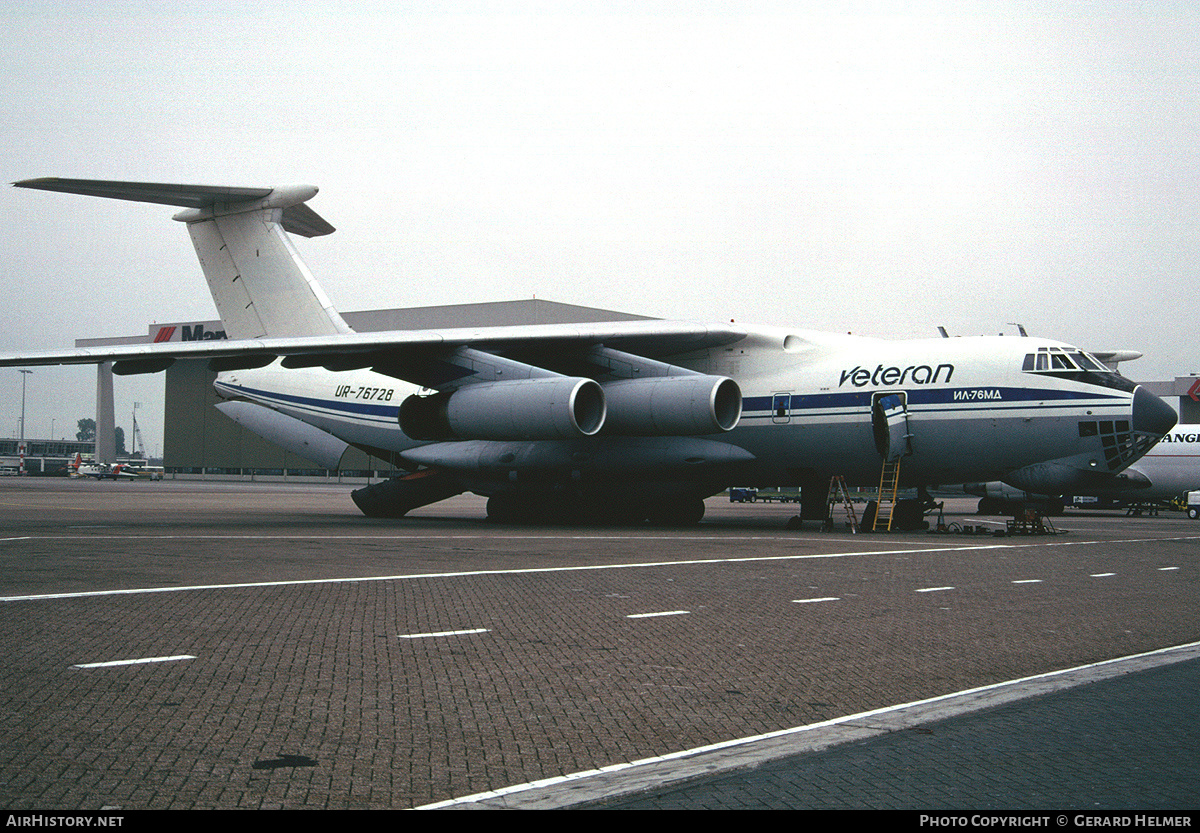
(875,167)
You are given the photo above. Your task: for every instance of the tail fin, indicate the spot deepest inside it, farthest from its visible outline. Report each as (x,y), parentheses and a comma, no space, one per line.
(259,283)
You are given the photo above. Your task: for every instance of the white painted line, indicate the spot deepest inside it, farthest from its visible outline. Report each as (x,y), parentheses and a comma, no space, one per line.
(513,572)
(442,633)
(664,613)
(115,663)
(659,538)
(1167,568)
(932,589)
(530,570)
(972,694)
(1028,581)
(1102,575)
(810,601)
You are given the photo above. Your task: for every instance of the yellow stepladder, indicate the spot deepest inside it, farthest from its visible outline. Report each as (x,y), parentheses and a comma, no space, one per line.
(889,484)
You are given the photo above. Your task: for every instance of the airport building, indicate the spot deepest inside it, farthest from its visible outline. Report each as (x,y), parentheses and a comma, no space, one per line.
(41,457)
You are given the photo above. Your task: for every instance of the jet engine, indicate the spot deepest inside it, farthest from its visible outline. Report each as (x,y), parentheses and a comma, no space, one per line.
(666,406)
(551,408)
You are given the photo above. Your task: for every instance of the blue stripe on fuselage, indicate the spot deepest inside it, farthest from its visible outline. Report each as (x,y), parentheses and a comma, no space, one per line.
(309,403)
(939,399)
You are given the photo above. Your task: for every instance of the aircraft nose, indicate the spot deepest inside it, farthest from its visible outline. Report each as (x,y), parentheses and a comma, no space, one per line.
(1151,415)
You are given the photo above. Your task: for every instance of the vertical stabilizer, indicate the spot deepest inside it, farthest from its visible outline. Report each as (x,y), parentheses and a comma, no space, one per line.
(258,281)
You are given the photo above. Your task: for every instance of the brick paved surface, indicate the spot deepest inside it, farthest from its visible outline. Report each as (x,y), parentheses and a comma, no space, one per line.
(1125,744)
(306,695)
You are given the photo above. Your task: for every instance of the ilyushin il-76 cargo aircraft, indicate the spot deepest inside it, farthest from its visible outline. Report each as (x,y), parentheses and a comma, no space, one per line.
(636,420)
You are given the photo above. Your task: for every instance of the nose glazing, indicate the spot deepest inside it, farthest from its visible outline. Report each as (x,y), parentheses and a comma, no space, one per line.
(1152,415)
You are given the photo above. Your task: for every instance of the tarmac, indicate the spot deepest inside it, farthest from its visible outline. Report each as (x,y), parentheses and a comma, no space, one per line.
(197,645)
(1121,746)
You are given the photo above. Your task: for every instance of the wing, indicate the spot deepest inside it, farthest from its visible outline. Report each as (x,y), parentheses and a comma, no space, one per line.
(439,359)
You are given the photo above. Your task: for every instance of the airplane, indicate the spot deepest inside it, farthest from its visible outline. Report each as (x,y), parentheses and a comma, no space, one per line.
(1166,471)
(630,421)
(143,472)
(100,471)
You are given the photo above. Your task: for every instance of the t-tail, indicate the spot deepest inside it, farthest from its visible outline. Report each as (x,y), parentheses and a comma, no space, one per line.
(258,281)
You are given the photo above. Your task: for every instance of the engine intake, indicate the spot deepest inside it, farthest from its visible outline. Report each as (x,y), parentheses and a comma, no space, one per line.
(669,406)
(559,407)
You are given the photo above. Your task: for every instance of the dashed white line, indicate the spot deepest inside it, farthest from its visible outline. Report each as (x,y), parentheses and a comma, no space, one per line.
(115,663)
(811,601)
(932,589)
(1102,575)
(1167,568)
(1027,581)
(442,633)
(662,613)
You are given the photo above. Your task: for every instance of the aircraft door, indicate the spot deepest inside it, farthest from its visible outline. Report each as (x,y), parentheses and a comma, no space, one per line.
(781,408)
(889,419)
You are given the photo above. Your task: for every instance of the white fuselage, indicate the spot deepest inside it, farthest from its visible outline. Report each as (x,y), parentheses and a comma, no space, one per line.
(973,413)
(1172,466)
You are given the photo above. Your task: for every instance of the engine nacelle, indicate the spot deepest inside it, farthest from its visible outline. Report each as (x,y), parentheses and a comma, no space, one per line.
(553,408)
(672,406)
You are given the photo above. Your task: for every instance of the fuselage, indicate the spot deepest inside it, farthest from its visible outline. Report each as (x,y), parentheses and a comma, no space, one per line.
(1172,466)
(973,409)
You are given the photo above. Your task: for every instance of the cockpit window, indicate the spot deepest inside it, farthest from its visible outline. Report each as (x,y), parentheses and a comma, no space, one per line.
(1075,365)
(1088,363)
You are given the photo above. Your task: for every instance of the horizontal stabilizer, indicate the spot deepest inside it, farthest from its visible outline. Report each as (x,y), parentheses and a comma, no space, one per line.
(187,196)
(297,219)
